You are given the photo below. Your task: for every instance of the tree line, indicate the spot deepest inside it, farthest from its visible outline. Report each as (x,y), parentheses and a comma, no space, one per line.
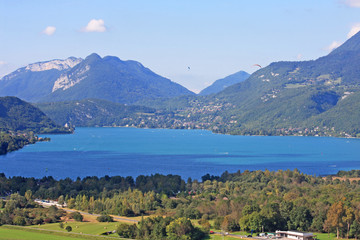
(251,201)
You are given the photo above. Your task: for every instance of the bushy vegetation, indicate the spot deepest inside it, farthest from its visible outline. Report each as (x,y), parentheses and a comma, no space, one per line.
(77,216)
(105,218)
(21,210)
(162,228)
(258,201)
(10,142)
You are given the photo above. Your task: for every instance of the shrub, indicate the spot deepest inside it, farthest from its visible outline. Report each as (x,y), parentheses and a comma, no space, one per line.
(76,216)
(61,225)
(126,230)
(68,228)
(105,218)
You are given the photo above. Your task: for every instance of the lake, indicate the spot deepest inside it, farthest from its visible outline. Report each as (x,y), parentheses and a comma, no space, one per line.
(188,153)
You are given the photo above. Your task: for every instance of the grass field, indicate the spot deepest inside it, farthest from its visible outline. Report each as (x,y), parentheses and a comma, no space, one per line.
(219,237)
(95,228)
(24,233)
(325,236)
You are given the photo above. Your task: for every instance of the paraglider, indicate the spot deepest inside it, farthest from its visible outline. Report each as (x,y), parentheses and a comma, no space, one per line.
(257,65)
(188,68)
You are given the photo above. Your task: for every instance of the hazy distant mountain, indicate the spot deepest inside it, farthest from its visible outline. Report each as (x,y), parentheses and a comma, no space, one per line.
(223,83)
(106,78)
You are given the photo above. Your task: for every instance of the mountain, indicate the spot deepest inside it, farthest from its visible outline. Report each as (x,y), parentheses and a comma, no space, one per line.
(18,115)
(107,78)
(36,80)
(317,97)
(94,112)
(288,95)
(223,83)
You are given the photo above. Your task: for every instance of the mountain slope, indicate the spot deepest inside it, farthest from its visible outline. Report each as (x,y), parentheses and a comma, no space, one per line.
(17,115)
(93,112)
(106,78)
(318,97)
(223,83)
(36,80)
(287,95)
(112,79)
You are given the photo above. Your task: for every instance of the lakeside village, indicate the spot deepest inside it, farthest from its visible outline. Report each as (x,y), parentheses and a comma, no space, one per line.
(207,118)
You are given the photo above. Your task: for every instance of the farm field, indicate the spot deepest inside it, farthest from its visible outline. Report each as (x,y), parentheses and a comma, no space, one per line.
(24,233)
(94,228)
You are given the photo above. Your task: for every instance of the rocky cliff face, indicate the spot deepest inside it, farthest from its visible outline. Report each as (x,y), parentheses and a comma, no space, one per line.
(106,78)
(67,80)
(54,64)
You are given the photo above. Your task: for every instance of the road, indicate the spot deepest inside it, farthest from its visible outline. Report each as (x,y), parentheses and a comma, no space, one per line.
(54,203)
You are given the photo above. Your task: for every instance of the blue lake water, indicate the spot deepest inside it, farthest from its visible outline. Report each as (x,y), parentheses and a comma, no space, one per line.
(188,153)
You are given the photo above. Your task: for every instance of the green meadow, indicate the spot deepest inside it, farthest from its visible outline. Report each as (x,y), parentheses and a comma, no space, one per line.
(94,228)
(25,233)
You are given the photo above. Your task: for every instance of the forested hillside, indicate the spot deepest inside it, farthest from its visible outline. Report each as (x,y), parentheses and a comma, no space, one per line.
(20,121)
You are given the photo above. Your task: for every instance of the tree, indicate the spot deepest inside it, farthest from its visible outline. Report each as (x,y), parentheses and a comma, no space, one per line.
(68,228)
(126,231)
(18,220)
(300,219)
(61,200)
(348,219)
(355,229)
(61,225)
(334,217)
(76,216)
(105,218)
(28,195)
(180,228)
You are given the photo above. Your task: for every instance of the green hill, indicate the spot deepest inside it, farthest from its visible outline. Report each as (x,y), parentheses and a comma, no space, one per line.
(17,115)
(319,97)
(20,121)
(94,112)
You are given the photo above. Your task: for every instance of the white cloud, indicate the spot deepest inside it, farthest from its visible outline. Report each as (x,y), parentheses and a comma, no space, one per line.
(49,30)
(352,3)
(2,63)
(95,25)
(333,45)
(354,29)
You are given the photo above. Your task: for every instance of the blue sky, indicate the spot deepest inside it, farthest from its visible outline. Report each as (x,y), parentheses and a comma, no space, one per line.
(213,38)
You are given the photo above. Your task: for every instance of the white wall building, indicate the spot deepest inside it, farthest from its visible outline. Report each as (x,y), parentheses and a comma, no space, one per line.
(295,235)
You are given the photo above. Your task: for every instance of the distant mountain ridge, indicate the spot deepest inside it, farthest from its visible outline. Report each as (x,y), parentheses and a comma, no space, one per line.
(223,83)
(106,78)
(313,98)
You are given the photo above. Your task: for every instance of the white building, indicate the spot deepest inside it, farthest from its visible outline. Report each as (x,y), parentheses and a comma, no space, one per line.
(295,235)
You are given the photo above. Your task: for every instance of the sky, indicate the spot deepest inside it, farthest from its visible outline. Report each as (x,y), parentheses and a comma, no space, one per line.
(190,42)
